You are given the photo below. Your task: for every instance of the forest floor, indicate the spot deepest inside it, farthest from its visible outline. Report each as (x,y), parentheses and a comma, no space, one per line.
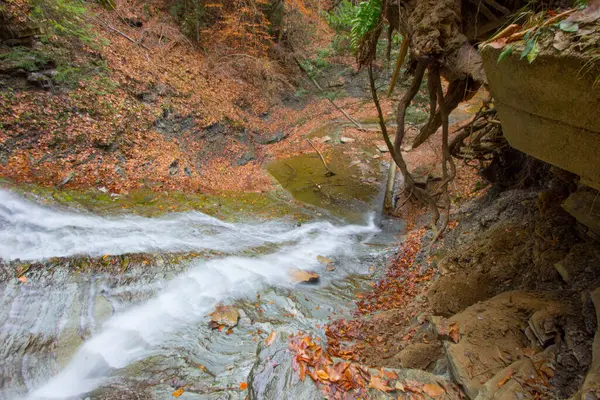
(488,312)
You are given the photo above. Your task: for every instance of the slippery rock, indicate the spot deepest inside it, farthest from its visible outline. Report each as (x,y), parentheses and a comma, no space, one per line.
(301,276)
(273,376)
(224,315)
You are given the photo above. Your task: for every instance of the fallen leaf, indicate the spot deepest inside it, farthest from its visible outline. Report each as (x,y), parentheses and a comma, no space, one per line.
(378,384)
(270,339)
(509,373)
(22,279)
(243,386)
(433,390)
(302,372)
(324,376)
(178,392)
(454,332)
(389,374)
(399,386)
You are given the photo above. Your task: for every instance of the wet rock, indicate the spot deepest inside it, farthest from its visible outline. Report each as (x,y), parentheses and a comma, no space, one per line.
(273,377)
(324,260)
(328,263)
(300,276)
(224,315)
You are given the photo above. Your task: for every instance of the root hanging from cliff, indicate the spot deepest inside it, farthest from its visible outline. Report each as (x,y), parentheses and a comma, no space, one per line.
(437,98)
(481,138)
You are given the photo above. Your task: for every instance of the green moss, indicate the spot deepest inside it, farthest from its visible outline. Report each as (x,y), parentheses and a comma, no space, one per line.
(230,206)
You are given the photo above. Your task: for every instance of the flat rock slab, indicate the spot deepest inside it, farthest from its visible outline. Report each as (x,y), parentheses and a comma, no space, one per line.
(490,336)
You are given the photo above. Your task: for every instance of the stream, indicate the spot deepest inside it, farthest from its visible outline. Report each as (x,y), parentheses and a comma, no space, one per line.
(67,333)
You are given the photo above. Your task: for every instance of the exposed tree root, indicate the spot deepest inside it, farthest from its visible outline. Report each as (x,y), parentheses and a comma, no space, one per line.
(447,175)
(419,194)
(481,138)
(457,92)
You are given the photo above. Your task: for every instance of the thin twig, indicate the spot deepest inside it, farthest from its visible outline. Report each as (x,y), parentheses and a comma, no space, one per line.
(329,172)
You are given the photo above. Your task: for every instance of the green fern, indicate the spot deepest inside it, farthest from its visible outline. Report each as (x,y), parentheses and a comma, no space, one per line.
(367,17)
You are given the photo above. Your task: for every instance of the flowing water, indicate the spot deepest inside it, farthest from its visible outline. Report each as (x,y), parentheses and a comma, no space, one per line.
(142,333)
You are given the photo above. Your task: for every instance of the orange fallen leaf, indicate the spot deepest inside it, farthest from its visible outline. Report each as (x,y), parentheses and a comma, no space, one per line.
(377,383)
(509,373)
(270,339)
(433,389)
(454,332)
(302,372)
(322,375)
(389,374)
(22,279)
(178,392)
(243,386)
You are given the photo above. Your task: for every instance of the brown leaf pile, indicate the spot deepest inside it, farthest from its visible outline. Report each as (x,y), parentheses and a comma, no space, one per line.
(337,379)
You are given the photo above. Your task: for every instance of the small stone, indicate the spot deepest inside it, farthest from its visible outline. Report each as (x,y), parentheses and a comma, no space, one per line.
(561,41)
(246,158)
(376,157)
(326,139)
(224,315)
(345,139)
(382,147)
(300,276)
(324,260)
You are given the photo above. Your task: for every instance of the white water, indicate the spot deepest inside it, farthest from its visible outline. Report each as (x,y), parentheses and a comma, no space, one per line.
(29,231)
